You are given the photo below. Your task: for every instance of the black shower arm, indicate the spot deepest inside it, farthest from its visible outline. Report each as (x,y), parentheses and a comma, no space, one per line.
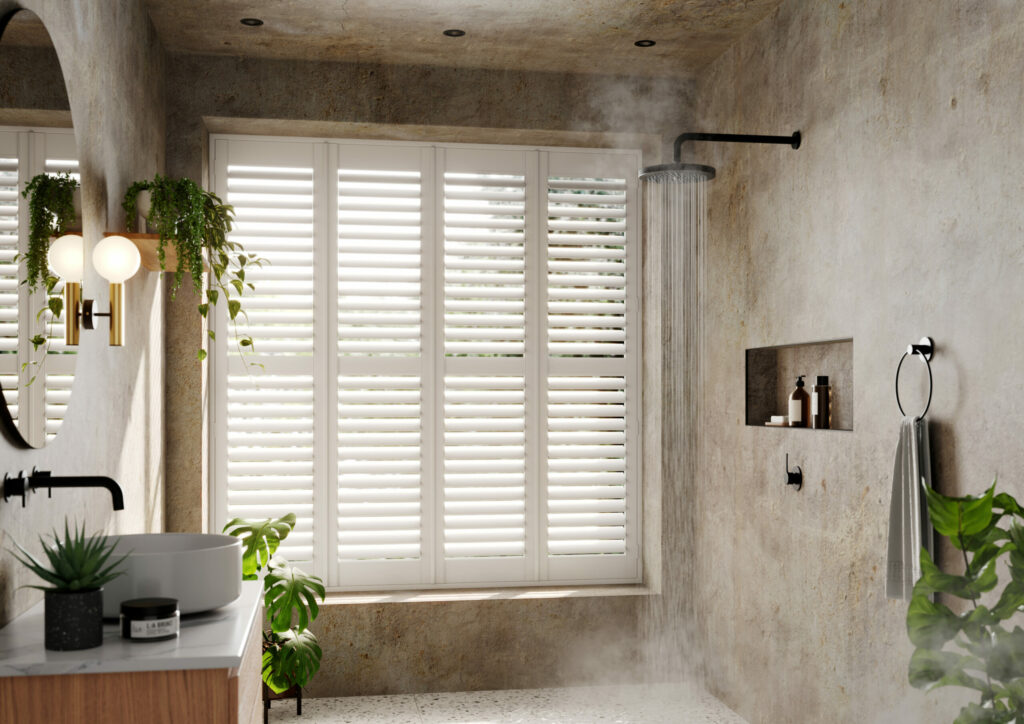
(682,138)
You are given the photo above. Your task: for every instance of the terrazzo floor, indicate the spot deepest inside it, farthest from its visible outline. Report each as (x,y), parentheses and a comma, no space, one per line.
(641,704)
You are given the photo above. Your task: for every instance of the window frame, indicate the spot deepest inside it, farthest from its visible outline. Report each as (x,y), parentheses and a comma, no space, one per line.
(325,163)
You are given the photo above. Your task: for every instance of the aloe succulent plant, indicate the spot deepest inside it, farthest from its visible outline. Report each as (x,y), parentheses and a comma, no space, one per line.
(76,562)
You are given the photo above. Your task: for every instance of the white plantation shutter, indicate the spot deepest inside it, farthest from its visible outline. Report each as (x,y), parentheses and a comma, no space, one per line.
(484,449)
(267,434)
(592,411)
(483,312)
(58,156)
(381,508)
(9,214)
(38,408)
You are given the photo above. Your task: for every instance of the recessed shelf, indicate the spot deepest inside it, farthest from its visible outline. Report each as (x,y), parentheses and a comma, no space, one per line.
(771,377)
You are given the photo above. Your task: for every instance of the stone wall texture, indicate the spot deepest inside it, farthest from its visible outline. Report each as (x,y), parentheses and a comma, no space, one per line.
(114,424)
(900,216)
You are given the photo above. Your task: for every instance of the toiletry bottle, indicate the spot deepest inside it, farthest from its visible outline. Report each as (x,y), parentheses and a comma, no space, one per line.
(799,404)
(821,404)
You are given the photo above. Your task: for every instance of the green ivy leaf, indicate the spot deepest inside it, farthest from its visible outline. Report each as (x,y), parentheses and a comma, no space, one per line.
(204,309)
(201,354)
(56,306)
(212,295)
(234,307)
(930,625)
(38,341)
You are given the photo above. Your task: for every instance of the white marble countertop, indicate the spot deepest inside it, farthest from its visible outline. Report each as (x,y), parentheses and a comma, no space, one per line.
(212,640)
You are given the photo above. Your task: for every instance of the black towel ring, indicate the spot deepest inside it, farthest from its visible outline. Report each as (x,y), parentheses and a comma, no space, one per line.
(925,348)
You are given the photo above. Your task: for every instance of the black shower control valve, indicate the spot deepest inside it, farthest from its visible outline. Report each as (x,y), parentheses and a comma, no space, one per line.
(795,476)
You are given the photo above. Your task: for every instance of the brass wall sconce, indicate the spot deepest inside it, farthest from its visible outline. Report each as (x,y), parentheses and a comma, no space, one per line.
(116,259)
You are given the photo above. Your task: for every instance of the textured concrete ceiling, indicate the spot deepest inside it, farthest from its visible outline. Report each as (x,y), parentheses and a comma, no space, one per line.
(593,36)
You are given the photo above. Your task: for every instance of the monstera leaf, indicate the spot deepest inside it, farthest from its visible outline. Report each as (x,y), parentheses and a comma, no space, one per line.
(290,592)
(290,658)
(260,539)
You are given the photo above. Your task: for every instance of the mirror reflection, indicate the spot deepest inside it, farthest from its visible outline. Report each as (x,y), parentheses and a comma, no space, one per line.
(36,365)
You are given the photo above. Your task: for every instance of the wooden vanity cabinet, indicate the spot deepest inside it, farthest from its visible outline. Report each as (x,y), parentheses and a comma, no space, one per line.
(184,696)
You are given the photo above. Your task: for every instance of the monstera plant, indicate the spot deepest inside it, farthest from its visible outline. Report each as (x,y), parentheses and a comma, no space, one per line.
(976,648)
(291,652)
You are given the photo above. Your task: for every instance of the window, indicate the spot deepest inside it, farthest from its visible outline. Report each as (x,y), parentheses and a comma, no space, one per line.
(450,345)
(37,408)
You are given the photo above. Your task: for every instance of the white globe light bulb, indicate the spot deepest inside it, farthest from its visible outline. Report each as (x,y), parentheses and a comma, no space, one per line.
(67,258)
(116,259)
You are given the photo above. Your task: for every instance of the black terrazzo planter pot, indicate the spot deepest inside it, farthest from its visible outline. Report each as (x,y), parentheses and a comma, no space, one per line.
(73,620)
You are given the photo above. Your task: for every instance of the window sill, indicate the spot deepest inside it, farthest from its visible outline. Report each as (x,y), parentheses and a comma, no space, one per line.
(490,594)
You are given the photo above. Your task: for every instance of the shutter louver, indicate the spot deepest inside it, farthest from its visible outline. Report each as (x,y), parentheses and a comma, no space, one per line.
(270,411)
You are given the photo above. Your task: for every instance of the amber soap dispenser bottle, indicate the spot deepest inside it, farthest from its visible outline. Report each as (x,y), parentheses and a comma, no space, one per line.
(799,404)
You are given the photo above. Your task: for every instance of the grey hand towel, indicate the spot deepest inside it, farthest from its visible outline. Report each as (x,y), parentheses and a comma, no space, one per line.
(909,526)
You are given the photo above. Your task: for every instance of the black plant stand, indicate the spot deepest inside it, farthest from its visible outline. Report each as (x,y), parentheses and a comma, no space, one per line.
(268,696)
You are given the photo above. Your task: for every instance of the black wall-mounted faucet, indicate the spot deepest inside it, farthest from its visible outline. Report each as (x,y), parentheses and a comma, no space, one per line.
(20,485)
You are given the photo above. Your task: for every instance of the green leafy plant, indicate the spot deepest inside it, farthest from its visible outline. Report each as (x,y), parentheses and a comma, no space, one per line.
(74,562)
(197,223)
(51,210)
(984,655)
(291,652)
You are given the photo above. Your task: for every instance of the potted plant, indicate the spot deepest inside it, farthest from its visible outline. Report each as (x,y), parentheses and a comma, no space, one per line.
(76,568)
(291,652)
(973,649)
(196,222)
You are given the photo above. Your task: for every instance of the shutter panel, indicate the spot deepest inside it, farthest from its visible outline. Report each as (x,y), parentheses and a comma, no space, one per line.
(485,406)
(269,439)
(9,196)
(380,511)
(591,417)
(61,157)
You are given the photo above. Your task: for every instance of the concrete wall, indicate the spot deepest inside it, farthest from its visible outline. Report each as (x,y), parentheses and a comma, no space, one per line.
(409,646)
(114,424)
(900,216)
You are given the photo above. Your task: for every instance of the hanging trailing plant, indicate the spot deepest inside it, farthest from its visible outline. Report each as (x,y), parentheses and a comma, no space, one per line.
(51,210)
(197,223)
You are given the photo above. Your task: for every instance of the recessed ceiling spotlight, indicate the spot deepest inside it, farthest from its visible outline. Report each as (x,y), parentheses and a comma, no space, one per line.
(644,43)
(454,33)
(252,22)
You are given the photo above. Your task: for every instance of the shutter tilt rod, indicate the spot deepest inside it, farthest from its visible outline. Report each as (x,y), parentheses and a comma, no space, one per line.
(677,146)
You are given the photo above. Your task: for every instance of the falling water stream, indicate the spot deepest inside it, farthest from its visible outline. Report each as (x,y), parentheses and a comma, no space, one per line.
(675,205)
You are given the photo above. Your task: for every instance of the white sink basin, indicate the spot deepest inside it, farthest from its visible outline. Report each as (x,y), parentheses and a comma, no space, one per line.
(202,571)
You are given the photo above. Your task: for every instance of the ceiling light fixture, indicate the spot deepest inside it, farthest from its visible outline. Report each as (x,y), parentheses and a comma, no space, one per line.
(454,33)
(644,43)
(252,22)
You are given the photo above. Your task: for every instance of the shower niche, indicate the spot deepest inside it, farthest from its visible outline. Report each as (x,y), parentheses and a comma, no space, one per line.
(772,372)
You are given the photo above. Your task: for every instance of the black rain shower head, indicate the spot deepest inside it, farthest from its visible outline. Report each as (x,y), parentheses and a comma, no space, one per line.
(692,171)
